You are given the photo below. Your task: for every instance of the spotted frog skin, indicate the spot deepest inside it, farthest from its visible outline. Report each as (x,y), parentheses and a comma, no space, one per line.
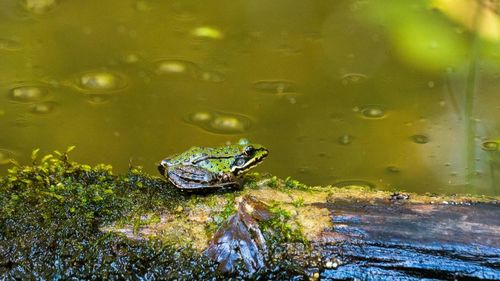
(210,168)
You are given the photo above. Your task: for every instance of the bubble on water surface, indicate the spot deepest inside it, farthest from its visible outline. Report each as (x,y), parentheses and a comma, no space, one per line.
(345,139)
(39,6)
(28,93)
(200,117)
(6,156)
(362,183)
(101,81)
(490,145)
(353,78)
(373,111)
(176,67)
(219,122)
(420,139)
(9,45)
(207,32)
(229,124)
(43,107)
(274,86)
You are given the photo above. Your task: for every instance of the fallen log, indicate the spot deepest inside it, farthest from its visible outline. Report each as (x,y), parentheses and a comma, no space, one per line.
(414,242)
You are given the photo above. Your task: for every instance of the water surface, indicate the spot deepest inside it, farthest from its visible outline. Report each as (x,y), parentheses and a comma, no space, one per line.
(395,96)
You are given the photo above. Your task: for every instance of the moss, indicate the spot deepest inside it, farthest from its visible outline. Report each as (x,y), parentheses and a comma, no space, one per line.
(51,211)
(282,227)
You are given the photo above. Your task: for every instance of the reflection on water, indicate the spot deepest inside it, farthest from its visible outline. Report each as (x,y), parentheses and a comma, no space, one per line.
(349,92)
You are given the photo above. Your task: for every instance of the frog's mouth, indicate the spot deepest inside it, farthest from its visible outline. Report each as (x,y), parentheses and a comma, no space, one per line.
(161,169)
(251,162)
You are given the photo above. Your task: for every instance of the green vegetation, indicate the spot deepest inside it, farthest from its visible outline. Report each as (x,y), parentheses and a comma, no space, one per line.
(283,227)
(52,215)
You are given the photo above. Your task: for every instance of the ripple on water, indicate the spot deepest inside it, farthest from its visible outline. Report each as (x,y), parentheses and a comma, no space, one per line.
(490,145)
(101,80)
(220,122)
(39,6)
(98,99)
(353,78)
(28,93)
(6,156)
(373,111)
(176,67)
(43,107)
(362,183)
(274,86)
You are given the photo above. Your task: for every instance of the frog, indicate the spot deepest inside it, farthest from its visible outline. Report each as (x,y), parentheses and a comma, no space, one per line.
(208,168)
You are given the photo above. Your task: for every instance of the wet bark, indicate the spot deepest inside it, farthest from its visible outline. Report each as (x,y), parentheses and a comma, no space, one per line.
(411,242)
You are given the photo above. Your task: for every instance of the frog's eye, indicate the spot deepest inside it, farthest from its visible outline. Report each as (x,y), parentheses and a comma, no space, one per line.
(240,162)
(249,150)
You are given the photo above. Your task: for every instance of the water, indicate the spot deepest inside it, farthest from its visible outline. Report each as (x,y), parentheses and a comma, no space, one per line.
(393,96)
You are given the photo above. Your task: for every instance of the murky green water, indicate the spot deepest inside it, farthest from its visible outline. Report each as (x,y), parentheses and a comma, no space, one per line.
(390,94)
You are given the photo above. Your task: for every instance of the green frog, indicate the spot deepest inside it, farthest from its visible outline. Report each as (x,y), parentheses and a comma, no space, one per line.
(202,168)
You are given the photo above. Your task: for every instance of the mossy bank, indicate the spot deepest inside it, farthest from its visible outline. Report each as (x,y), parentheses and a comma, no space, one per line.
(60,219)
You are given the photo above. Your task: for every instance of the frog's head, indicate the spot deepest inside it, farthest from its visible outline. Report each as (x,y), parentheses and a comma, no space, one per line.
(250,156)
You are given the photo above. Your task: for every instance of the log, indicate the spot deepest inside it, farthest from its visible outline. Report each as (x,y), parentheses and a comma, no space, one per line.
(61,220)
(412,242)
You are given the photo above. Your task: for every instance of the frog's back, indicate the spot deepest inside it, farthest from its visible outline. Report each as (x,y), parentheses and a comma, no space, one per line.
(184,158)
